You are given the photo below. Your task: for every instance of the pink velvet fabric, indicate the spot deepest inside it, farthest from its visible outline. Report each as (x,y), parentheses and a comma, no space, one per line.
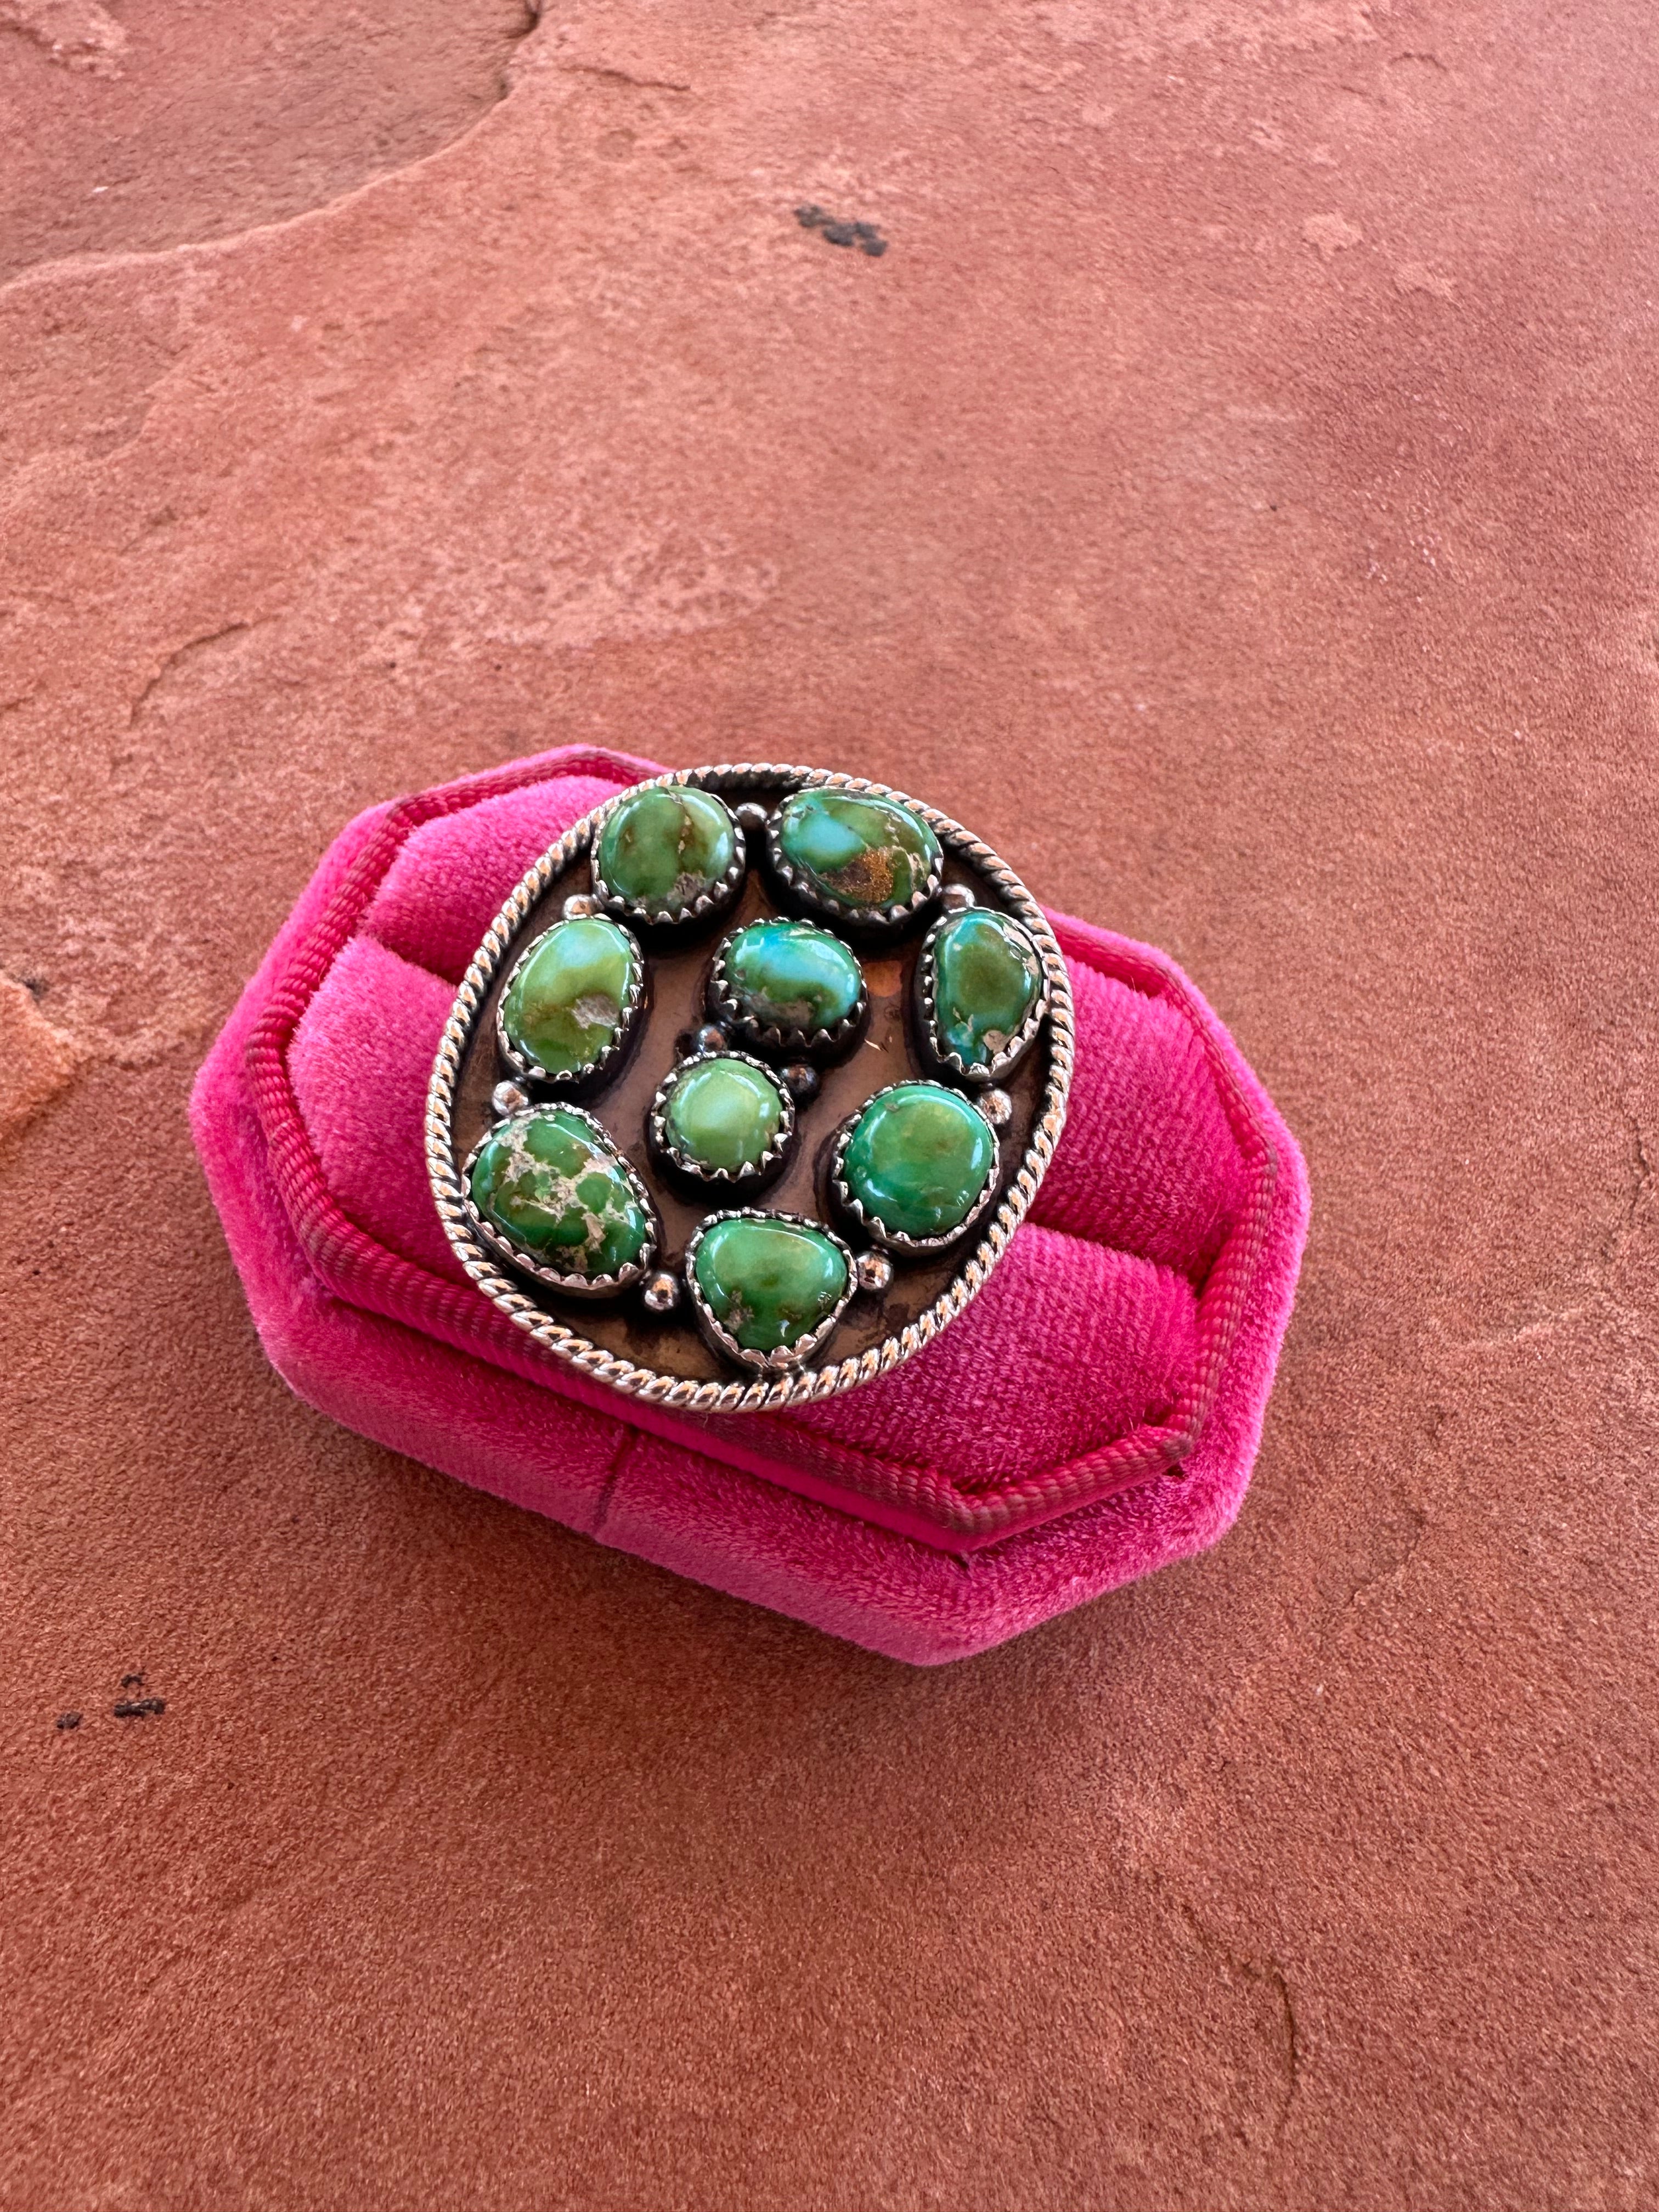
(1092,1416)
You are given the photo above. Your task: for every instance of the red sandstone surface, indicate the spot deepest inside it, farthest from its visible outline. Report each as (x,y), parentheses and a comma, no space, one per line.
(1232,491)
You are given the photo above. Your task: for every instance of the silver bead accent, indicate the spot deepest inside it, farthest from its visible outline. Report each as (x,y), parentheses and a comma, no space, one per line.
(956,899)
(801,1081)
(661,1293)
(874,1271)
(580,905)
(711,1037)
(752,818)
(508,1098)
(998,1109)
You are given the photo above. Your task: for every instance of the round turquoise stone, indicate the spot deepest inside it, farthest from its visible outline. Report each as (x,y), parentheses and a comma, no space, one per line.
(986,978)
(769,1280)
(559,1190)
(564,1006)
(856,851)
(661,851)
(919,1159)
(791,975)
(723,1114)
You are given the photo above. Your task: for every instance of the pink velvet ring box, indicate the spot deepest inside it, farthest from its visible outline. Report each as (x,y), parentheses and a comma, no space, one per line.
(1092,1415)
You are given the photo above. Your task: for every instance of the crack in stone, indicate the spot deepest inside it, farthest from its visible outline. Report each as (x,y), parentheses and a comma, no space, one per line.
(176,659)
(607,76)
(1261,1970)
(1275,1975)
(1541,1328)
(1601,1300)
(1622,1232)
(1396,1547)
(37,1058)
(84,36)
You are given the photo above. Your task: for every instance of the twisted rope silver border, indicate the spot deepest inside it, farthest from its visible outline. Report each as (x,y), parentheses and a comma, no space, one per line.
(806,1384)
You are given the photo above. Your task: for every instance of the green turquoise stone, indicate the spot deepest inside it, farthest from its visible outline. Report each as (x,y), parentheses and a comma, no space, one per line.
(790,975)
(856,851)
(919,1159)
(564,1005)
(986,978)
(662,850)
(769,1281)
(724,1114)
(559,1190)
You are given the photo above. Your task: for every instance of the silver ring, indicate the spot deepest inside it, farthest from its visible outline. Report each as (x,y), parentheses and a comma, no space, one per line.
(805,1384)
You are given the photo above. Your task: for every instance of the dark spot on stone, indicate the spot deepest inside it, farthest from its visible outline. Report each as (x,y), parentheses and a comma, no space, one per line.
(35,986)
(135,1708)
(69,1720)
(132,1682)
(840,231)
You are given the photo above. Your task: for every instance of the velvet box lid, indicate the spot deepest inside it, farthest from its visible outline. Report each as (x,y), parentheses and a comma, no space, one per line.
(1092,1415)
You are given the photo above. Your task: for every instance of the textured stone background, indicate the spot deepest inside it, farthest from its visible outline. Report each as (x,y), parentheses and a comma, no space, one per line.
(1233,492)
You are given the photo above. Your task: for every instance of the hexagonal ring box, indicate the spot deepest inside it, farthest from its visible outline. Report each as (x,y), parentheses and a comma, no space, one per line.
(1012,1342)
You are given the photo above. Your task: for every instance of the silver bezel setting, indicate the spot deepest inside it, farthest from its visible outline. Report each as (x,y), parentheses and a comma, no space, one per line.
(894,1239)
(787,1358)
(532,1070)
(768,1036)
(983,1071)
(714,901)
(699,1170)
(575,1286)
(802,1385)
(885,918)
